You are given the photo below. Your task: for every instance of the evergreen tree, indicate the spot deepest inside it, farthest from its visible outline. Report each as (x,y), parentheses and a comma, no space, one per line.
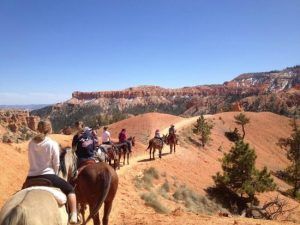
(203,127)
(240,174)
(242,120)
(292,144)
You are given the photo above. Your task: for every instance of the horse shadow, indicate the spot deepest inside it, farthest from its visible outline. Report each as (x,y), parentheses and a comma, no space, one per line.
(148,160)
(197,143)
(144,160)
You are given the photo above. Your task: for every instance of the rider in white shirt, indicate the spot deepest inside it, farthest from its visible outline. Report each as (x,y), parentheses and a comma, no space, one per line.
(106,136)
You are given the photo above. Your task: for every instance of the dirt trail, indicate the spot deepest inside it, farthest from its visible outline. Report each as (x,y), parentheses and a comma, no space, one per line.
(190,165)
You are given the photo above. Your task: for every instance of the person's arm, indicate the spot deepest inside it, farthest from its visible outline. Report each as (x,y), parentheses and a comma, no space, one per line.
(55,157)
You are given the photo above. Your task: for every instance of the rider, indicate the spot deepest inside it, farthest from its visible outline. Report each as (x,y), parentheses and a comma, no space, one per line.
(84,143)
(157,135)
(106,136)
(123,138)
(172,130)
(43,154)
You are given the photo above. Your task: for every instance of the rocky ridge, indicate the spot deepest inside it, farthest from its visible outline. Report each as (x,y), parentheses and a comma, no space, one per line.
(17,125)
(275,91)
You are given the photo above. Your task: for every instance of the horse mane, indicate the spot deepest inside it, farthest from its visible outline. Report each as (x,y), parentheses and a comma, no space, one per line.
(62,163)
(16,216)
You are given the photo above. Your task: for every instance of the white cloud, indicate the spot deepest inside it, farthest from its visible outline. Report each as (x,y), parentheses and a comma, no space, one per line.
(14,98)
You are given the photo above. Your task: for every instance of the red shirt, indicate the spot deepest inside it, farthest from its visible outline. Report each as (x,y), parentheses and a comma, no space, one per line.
(122,137)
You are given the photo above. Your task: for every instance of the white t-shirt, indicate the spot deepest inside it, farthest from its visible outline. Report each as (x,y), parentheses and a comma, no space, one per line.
(105,136)
(43,157)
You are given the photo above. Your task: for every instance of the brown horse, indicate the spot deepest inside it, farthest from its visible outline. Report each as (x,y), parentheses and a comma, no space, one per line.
(96,184)
(111,154)
(125,149)
(172,141)
(154,144)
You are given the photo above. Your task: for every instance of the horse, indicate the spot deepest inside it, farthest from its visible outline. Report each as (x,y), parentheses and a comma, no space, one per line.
(125,149)
(33,207)
(172,141)
(154,144)
(22,207)
(111,154)
(95,184)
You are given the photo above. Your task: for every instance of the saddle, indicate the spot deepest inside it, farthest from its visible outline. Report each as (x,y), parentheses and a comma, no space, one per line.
(31,182)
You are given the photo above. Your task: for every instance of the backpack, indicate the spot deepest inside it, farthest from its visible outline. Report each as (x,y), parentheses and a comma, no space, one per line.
(86,145)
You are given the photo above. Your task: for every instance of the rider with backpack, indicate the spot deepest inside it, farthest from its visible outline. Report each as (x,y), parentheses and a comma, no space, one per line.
(84,143)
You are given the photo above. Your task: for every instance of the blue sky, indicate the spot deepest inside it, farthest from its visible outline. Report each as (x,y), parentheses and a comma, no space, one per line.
(50,48)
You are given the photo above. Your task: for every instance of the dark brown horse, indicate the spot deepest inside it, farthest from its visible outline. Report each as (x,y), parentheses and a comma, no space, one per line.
(111,154)
(154,144)
(125,149)
(96,184)
(172,141)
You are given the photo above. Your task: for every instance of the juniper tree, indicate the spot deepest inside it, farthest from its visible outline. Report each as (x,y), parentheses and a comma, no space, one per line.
(239,172)
(203,127)
(242,120)
(292,145)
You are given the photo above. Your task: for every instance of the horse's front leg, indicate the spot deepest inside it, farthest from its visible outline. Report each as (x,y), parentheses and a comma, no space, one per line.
(128,158)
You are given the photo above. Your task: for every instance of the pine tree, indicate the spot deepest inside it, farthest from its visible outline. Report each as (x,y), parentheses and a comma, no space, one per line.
(240,174)
(242,120)
(203,127)
(292,144)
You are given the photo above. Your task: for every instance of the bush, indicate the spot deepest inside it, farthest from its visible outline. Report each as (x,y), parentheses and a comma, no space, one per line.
(146,181)
(233,135)
(195,202)
(152,201)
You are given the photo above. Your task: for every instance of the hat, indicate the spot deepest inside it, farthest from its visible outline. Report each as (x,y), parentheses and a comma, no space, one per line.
(87,129)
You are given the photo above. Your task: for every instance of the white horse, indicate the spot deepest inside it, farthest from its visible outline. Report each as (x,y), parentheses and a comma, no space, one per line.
(34,207)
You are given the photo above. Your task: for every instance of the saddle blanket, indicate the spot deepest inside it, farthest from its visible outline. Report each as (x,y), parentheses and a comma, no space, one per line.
(59,196)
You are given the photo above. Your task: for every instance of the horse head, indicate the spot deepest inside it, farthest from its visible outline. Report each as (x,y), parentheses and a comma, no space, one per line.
(132,140)
(68,164)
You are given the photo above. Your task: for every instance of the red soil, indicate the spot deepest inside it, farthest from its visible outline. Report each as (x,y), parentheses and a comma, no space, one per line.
(190,165)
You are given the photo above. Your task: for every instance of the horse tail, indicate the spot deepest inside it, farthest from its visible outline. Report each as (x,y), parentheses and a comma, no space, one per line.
(104,189)
(62,161)
(17,216)
(150,143)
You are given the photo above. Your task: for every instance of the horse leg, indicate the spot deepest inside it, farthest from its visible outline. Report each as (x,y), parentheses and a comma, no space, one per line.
(124,158)
(170,148)
(96,219)
(160,153)
(120,156)
(153,153)
(107,209)
(128,158)
(82,210)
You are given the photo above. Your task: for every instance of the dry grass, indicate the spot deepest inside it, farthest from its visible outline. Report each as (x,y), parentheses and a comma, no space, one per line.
(151,199)
(195,202)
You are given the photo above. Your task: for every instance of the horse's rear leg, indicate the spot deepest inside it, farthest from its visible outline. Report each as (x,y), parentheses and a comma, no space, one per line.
(107,209)
(96,219)
(128,158)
